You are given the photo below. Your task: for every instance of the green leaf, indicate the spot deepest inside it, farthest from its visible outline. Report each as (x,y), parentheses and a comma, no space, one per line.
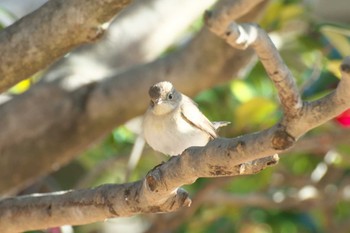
(256,111)
(338,35)
(241,90)
(21,87)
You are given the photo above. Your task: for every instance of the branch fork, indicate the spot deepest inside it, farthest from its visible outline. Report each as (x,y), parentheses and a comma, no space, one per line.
(160,190)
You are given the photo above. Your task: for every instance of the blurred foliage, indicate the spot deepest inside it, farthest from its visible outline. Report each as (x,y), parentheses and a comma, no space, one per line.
(24,85)
(5,17)
(313,52)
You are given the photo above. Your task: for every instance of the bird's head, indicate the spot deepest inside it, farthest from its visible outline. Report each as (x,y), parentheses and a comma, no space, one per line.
(164,98)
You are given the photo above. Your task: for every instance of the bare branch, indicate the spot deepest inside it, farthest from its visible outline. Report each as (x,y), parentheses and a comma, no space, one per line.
(132,38)
(32,44)
(305,194)
(226,11)
(157,192)
(84,206)
(298,117)
(220,157)
(72,120)
(244,35)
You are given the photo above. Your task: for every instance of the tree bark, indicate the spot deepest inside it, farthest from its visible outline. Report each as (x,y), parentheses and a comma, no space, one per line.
(30,45)
(156,193)
(132,38)
(49,134)
(160,190)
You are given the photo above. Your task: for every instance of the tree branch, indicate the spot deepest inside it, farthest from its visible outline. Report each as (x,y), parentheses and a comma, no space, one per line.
(33,128)
(132,38)
(244,35)
(157,192)
(30,45)
(225,12)
(298,117)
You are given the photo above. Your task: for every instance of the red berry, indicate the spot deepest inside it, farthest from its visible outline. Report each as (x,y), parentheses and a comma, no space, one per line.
(344,118)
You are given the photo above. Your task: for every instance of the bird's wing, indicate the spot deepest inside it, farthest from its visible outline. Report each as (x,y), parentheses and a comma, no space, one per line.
(192,115)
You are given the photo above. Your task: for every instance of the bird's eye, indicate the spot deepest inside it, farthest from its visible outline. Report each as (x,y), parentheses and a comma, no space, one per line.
(170,96)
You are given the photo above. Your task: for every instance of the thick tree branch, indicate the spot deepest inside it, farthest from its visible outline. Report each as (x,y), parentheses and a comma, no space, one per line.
(132,38)
(298,117)
(244,35)
(157,192)
(72,120)
(225,12)
(220,157)
(30,45)
(307,192)
(83,206)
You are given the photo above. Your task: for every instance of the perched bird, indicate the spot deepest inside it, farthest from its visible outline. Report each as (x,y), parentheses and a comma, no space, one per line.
(173,121)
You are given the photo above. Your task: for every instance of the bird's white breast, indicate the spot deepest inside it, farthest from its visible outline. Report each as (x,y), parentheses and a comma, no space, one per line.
(171,134)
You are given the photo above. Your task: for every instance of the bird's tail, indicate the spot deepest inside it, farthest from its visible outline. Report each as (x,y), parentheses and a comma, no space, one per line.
(219,124)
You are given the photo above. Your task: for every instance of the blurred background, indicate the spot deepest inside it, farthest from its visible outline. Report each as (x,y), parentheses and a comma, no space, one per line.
(308,191)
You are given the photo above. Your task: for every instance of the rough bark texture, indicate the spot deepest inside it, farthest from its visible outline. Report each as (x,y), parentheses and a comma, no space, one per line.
(51,133)
(158,192)
(138,35)
(30,45)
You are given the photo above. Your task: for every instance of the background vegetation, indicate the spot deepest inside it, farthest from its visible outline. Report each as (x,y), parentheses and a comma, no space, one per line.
(308,191)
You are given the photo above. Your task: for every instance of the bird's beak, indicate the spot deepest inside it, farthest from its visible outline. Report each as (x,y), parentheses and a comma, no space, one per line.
(156,101)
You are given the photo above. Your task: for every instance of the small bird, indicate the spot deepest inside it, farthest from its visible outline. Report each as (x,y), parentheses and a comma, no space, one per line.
(173,121)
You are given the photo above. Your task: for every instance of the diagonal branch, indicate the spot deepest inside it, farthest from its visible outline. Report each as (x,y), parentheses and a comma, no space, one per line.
(244,35)
(299,117)
(158,192)
(33,128)
(226,11)
(30,45)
